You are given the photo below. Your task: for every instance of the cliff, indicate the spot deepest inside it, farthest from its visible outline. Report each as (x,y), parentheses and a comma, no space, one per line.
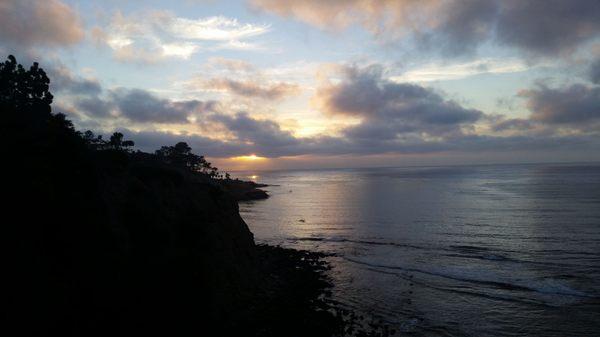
(103,241)
(109,242)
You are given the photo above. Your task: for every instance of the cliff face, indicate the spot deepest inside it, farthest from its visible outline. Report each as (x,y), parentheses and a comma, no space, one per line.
(164,217)
(99,241)
(106,243)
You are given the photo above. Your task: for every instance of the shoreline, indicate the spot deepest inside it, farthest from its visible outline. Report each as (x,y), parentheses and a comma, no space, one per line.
(295,295)
(242,190)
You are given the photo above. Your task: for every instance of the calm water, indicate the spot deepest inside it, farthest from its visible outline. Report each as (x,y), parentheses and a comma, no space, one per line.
(508,250)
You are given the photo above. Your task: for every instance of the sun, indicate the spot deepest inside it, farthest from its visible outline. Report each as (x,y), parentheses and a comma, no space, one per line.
(251,157)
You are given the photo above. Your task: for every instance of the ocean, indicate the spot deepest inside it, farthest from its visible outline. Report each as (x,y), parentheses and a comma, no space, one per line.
(495,250)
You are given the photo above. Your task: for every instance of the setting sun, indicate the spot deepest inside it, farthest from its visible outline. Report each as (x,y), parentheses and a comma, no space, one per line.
(251,157)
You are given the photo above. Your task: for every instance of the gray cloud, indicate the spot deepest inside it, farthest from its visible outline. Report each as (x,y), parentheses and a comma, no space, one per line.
(266,138)
(595,71)
(95,106)
(31,23)
(248,143)
(574,105)
(518,124)
(258,132)
(62,80)
(548,27)
(141,106)
(389,110)
(394,118)
(463,26)
(250,88)
(152,140)
(538,27)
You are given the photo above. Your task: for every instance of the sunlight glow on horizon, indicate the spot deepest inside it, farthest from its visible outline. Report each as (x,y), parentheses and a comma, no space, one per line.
(251,157)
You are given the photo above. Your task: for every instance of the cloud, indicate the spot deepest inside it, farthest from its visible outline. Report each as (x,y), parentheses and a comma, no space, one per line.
(595,72)
(391,118)
(95,107)
(257,132)
(63,80)
(265,137)
(156,35)
(231,65)
(575,105)
(377,16)
(388,109)
(216,28)
(457,27)
(453,71)
(251,135)
(141,106)
(548,27)
(518,124)
(150,140)
(249,88)
(31,23)
(243,80)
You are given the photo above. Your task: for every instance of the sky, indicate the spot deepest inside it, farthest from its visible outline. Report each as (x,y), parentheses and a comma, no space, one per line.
(276,84)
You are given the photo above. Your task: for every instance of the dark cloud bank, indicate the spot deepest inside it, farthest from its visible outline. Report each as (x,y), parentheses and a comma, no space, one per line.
(398,118)
(394,117)
(457,27)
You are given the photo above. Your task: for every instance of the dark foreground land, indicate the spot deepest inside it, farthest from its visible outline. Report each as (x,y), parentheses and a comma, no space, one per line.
(244,190)
(104,241)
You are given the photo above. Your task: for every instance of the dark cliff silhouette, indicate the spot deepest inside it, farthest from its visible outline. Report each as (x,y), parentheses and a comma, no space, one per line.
(102,240)
(105,241)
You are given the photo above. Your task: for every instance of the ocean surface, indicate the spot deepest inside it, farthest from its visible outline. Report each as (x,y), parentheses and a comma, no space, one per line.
(506,250)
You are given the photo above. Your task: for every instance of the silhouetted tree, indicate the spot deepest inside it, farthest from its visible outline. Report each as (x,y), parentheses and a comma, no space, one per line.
(25,102)
(181,155)
(116,142)
(93,141)
(24,89)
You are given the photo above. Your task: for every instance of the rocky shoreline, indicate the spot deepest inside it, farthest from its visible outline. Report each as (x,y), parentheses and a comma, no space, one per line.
(242,190)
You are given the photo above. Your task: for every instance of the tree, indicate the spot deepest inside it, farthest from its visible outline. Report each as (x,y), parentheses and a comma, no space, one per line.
(116,142)
(25,102)
(24,89)
(93,141)
(181,155)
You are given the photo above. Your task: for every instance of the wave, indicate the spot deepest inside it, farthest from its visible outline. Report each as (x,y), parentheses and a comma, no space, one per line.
(488,257)
(461,291)
(366,242)
(458,251)
(546,286)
